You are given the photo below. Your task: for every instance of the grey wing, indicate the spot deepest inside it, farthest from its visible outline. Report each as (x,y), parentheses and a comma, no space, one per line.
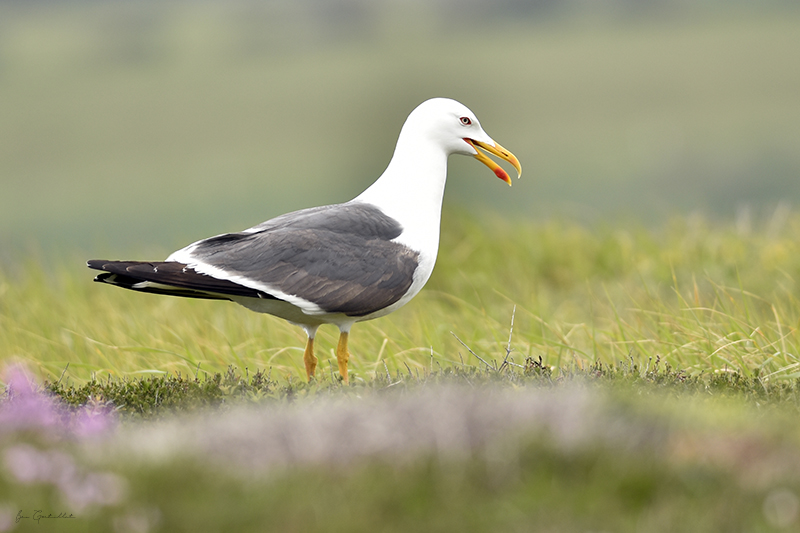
(341,257)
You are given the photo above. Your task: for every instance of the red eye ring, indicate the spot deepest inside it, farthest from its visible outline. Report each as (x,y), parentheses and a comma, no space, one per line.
(466,121)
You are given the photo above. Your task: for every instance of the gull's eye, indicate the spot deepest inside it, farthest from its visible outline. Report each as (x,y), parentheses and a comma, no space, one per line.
(466,121)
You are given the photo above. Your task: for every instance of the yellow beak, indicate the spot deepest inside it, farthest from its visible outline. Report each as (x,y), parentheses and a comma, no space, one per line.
(500,152)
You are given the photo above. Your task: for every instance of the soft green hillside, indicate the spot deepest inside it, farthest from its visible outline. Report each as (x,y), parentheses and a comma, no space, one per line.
(129,127)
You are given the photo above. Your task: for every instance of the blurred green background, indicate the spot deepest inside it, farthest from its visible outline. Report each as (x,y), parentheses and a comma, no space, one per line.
(139,126)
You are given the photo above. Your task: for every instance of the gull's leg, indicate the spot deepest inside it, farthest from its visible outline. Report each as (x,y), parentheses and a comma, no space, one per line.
(308,356)
(343,355)
(310,359)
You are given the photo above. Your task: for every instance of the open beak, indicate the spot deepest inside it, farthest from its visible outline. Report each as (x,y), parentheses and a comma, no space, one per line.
(500,152)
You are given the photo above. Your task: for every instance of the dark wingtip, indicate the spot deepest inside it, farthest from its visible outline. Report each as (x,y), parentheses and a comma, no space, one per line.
(96,264)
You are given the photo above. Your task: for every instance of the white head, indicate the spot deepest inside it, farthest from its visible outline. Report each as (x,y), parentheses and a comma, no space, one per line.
(411,189)
(455,129)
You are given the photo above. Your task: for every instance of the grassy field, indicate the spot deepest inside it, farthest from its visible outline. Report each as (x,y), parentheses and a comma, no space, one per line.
(701,296)
(618,351)
(665,398)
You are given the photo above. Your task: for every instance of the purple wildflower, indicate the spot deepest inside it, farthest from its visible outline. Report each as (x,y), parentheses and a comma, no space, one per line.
(28,409)
(80,489)
(25,408)
(90,423)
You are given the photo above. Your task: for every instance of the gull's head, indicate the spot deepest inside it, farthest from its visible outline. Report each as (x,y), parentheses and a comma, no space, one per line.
(456,130)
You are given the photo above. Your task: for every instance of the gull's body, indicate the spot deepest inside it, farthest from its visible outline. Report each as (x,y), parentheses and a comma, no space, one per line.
(337,264)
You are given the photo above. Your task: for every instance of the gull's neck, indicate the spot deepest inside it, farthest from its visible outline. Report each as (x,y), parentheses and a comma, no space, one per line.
(411,190)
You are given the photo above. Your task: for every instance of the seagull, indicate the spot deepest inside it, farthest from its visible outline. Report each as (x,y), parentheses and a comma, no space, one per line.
(336,264)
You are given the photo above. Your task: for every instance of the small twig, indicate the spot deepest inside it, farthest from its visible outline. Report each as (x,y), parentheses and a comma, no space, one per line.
(388,376)
(510,363)
(511,329)
(506,362)
(62,374)
(470,351)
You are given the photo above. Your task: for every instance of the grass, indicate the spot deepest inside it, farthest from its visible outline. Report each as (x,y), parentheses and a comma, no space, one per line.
(650,380)
(581,373)
(702,296)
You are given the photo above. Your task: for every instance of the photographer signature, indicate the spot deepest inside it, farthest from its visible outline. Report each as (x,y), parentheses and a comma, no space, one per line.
(38,515)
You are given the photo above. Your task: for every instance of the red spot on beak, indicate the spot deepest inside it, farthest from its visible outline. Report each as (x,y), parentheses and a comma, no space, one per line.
(502,174)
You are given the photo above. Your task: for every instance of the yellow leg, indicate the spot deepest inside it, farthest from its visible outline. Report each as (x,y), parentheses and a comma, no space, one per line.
(343,355)
(310,359)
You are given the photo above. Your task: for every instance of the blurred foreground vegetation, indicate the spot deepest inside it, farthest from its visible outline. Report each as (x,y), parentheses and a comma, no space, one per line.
(612,448)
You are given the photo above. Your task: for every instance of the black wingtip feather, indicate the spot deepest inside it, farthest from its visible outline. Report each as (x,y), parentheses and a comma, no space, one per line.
(96,264)
(174,279)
